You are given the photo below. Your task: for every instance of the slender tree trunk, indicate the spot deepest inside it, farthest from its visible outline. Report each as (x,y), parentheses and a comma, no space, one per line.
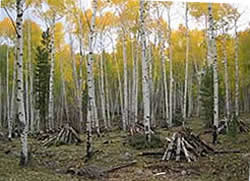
(145,87)
(91,85)
(120,85)
(151,85)
(213,56)
(64,94)
(20,96)
(30,70)
(13,95)
(27,95)
(164,76)
(80,72)
(125,91)
(102,95)
(7,95)
(190,99)
(108,100)
(226,82)
(237,92)
(171,71)
(186,68)
(51,78)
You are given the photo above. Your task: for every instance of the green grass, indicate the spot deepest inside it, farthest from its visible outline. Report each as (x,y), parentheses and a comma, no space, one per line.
(46,162)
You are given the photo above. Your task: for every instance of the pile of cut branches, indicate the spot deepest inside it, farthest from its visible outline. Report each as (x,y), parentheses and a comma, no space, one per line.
(67,135)
(184,145)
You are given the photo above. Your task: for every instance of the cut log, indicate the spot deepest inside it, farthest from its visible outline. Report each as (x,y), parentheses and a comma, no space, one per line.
(151,154)
(185,145)
(227,151)
(120,166)
(67,135)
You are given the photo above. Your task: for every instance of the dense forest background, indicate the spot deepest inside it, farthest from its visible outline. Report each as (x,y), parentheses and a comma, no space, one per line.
(93,67)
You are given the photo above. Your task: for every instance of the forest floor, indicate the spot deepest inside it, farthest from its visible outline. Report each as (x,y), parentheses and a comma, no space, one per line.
(49,164)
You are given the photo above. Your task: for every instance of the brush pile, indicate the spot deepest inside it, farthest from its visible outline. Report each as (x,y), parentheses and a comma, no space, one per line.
(67,135)
(184,145)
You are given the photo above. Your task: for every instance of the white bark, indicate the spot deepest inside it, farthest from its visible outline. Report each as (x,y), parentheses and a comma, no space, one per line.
(13,95)
(80,72)
(186,67)
(7,95)
(51,78)
(171,71)
(213,56)
(164,75)
(91,85)
(125,88)
(64,95)
(135,83)
(30,70)
(102,95)
(145,86)
(27,95)
(226,81)
(237,92)
(20,88)
(190,99)
(107,97)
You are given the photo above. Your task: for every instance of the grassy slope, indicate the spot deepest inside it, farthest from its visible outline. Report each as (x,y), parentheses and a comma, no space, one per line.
(47,162)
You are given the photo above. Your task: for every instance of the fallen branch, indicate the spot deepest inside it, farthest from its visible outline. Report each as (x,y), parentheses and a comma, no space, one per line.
(227,151)
(120,167)
(151,154)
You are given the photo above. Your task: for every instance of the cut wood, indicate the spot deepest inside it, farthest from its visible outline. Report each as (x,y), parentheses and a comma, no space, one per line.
(151,154)
(186,145)
(67,135)
(120,166)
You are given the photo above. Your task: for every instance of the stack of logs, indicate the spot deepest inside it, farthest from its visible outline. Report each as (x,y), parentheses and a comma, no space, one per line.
(138,128)
(243,127)
(67,135)
(184,145)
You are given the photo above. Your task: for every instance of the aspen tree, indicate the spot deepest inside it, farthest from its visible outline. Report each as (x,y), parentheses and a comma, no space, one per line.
(186,67)
(91,85)
(145,87)
(213,58)
(20,88)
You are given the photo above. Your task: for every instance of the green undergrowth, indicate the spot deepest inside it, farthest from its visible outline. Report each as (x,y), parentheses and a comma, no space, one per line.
(115,148)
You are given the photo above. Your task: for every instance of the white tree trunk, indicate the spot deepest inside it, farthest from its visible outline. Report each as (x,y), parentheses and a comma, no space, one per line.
(91,85)
(7,95)
(186,67)
(120,85)
(164,76)
(213,56)
(145,86)
(103,102)
(135,76)
(80,72)
(190,99)
(64,95)
(107,96)
(51,78)
(226,82)
(170,123)
(30,70)
(237,92)
(27,94)
(125,91)
(20,89)
(151,85)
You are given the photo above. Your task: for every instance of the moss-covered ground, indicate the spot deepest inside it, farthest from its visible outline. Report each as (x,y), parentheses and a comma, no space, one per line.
(49,164)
